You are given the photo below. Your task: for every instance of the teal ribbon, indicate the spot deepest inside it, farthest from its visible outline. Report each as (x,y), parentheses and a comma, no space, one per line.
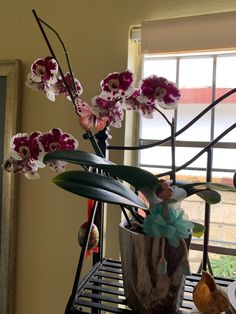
(172,227)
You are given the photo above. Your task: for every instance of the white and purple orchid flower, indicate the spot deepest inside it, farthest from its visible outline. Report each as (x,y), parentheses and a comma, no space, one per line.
(62,89)
(117,85)
(158,90)
(27,151)
(117,94)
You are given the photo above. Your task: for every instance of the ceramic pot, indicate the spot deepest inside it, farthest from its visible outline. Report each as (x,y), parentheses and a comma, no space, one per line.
(148,291)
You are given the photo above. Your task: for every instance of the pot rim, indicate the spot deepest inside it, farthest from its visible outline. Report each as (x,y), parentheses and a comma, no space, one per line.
(123,224)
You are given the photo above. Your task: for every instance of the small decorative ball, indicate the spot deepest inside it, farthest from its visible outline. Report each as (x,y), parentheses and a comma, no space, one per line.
(94,236)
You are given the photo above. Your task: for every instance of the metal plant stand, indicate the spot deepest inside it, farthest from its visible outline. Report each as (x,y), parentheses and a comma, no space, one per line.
(101,291)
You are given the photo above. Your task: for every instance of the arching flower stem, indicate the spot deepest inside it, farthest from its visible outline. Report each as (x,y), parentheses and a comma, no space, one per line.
(90,135)
(173,173)
(163,115)
(172,127)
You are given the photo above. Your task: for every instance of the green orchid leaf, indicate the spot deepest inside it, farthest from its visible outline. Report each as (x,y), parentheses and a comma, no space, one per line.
(198,229)
(208,185)
(209,196)
(135,176)
(98,187)
(77,157)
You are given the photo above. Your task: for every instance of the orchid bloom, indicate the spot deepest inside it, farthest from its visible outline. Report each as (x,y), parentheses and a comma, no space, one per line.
(62,89)
(117,85)
(132,103)
(43,77)
(48,89)
(27,151)
(111,109)
(44,70)
(158,90)
(118,94)
(26,155)
(25,145)
(26,166)
(55,139)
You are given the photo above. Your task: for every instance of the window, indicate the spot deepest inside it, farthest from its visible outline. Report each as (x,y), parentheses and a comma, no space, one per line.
(202,76)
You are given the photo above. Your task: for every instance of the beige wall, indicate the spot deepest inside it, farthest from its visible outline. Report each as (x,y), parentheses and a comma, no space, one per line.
(95,33)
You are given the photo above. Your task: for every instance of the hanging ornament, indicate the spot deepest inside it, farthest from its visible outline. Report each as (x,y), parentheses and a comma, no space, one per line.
(94,234)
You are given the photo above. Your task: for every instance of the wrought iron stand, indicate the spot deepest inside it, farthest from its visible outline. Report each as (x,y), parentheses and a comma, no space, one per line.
(101,291)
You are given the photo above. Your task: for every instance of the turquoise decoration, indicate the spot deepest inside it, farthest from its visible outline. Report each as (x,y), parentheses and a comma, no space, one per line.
(167,222)
(156,226)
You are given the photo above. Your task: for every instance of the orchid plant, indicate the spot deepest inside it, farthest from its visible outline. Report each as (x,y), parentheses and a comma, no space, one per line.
(118,94)
(162,216)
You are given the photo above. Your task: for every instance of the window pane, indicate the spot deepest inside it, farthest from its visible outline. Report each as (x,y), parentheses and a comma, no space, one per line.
(156,156)
(199,131)
(184,154)
(225,116)
(225,71)
(225,112)
(225,162)
(196,91)
(161,67)
(224,178)
(162,156)
(156,171)
(196,72)
(157,127)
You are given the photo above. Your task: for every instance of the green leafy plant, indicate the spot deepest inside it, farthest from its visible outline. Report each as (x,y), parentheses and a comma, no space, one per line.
(224,266)
(106,187)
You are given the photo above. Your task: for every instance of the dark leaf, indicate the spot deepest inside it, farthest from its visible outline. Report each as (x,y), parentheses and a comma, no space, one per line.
(135,176)
(98,187)
(209,196)
(77,157)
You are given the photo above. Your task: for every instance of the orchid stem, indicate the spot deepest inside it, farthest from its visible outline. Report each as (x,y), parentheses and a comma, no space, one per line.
(180,131)
(172,126)
(163,115)
(173,174)
(39,21)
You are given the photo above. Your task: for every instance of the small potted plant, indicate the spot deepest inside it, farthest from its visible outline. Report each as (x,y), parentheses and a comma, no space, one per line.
(154,243)
(155,236)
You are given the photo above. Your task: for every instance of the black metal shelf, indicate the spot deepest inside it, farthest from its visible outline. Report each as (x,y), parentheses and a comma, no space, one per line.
(102,291)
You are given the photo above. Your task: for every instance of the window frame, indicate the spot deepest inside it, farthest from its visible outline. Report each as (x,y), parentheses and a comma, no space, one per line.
(182,143)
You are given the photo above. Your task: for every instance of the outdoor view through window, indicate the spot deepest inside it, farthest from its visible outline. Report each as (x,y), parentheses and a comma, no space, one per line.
(201,78)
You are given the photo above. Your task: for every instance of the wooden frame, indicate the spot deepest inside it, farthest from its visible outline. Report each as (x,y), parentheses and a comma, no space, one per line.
(10,93)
